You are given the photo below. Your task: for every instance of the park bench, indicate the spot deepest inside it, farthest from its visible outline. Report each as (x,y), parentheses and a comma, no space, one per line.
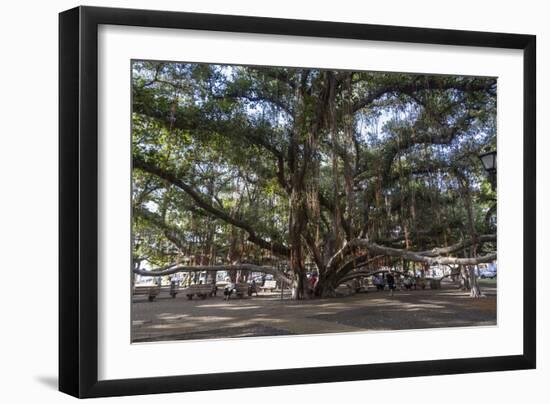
(242,289)
(421,283)
(172,290)
(201,291)
(169,290)
(146,290)
(269,285)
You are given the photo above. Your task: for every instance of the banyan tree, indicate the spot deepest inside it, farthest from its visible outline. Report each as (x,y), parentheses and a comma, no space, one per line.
(248,168)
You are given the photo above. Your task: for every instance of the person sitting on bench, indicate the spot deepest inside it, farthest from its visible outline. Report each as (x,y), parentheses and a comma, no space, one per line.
(228,290)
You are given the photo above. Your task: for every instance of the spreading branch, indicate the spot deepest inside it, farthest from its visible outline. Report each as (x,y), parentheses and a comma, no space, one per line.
(419,85)
(374,248)
(434,256)
(458,246)
(172,269)
(172,178)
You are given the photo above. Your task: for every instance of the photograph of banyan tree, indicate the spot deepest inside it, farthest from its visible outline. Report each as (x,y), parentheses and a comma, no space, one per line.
(273,201)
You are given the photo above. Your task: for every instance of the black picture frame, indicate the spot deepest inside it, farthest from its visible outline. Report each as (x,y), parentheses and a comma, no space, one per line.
(78,201)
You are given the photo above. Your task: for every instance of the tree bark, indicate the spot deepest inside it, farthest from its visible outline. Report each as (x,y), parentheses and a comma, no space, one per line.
(172,269)
(419,257)
(475,290)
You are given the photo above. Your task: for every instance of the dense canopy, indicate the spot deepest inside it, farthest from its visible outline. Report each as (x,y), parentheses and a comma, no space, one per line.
(263,168)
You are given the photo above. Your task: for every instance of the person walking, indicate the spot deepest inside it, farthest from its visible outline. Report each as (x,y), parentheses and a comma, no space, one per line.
(253,288)
(174,285)
(391,282)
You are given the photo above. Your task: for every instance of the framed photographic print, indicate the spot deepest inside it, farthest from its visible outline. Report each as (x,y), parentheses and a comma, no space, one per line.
(251,201)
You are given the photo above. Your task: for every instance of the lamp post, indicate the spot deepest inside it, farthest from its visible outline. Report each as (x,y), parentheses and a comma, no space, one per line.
(489,161)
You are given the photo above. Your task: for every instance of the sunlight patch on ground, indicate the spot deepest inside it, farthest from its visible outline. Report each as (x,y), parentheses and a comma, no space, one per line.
(242,307)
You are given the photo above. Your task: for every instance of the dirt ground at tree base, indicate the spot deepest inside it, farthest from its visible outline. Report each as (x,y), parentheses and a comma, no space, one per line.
(267,314)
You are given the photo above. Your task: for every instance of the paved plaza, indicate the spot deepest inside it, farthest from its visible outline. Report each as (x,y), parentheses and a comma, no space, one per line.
(268,315)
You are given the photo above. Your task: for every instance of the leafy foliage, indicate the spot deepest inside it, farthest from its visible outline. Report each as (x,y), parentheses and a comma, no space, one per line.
(238,163)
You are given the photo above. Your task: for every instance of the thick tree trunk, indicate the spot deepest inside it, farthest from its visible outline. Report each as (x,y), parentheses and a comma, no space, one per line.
(326,286)
(348,154)
(336,214)
(296,194)
(464,278)
(474,286)
(475,290)
(299,286)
